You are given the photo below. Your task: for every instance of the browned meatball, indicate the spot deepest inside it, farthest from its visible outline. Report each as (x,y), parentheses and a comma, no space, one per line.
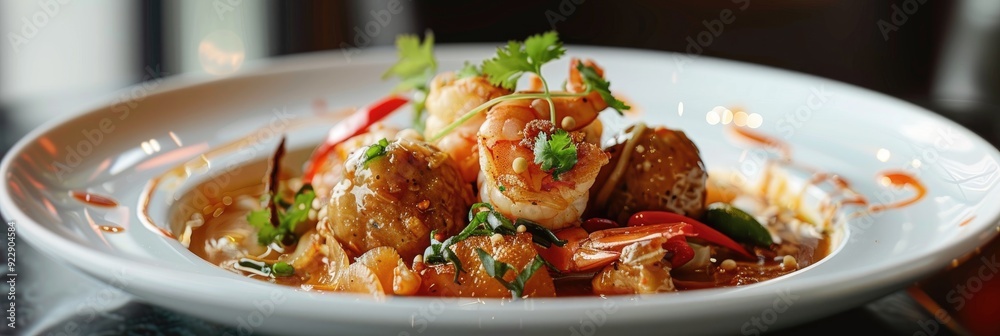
(662,171)
(397,198)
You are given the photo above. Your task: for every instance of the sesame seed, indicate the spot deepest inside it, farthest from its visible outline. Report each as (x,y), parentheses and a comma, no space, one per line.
(789,262)
(640,149)
(568,123)
(520,165)
(728,264)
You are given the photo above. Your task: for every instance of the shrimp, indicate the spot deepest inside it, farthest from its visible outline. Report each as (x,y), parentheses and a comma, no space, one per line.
(449,98)
(631,260)
(509,133)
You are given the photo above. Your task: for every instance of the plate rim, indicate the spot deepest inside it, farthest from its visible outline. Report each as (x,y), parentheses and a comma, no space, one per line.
(36,233)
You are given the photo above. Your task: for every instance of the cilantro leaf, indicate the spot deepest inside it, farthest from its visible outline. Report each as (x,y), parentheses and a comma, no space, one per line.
(261,220)
(557,155)
(469,70)
(415,68)
(543,48)
(416,62)
(288,218)
(516,59)
(596,83)
(497,269)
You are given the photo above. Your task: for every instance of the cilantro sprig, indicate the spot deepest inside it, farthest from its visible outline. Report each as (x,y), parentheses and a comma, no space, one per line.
(497,270)
(289,217)
(557,154)
(415,68)
(484,220)
(516,59)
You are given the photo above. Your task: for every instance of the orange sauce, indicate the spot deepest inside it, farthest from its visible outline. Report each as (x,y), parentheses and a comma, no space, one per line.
(111,228)
(763,140)
(900,179)
(93,199)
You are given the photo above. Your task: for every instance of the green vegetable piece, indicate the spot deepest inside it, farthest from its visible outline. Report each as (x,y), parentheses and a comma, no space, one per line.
(282,269)
(737,224)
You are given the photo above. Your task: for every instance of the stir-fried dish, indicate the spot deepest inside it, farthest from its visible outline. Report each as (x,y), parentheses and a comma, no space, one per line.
(502,187)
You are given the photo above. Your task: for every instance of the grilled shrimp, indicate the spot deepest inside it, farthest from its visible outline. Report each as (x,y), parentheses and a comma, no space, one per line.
(449,98)
(509,134)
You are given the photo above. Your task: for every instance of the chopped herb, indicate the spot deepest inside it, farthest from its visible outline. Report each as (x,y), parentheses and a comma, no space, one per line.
(375,150)
(557,154)
(510,63)
(501,188)
(282,269)
(596,83)
(469,70)
(279,269)
(497,270)
(514,60)
(416,67)
(539,234)
(483,221)
(519,58)
(289,218)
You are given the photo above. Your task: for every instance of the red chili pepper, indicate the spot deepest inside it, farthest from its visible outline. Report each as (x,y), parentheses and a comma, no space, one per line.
(356,124)
(683,253)
(598,224)
(704,231)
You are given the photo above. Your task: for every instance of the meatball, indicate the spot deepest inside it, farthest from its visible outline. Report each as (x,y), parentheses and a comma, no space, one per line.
(662,170)
(395,195)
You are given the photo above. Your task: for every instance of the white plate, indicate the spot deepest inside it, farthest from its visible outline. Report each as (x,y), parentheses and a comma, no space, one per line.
(837,127)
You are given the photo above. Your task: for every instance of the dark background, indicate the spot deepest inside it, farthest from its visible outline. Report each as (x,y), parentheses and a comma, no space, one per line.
(938,54)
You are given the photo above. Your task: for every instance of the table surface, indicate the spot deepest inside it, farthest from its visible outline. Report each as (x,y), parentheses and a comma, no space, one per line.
(55,299)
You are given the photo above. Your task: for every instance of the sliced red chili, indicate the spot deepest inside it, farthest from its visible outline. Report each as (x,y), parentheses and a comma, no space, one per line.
(353,125)
(703,231)
(598,224)
(683,253)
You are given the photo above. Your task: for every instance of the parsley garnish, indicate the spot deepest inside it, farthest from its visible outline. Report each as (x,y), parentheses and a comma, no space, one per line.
(497,269)
(416,67)
(484,221)
(288,218)
(514,60)
(469,70)
(557,154)
(596,83)
(375,150)
(519,58)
